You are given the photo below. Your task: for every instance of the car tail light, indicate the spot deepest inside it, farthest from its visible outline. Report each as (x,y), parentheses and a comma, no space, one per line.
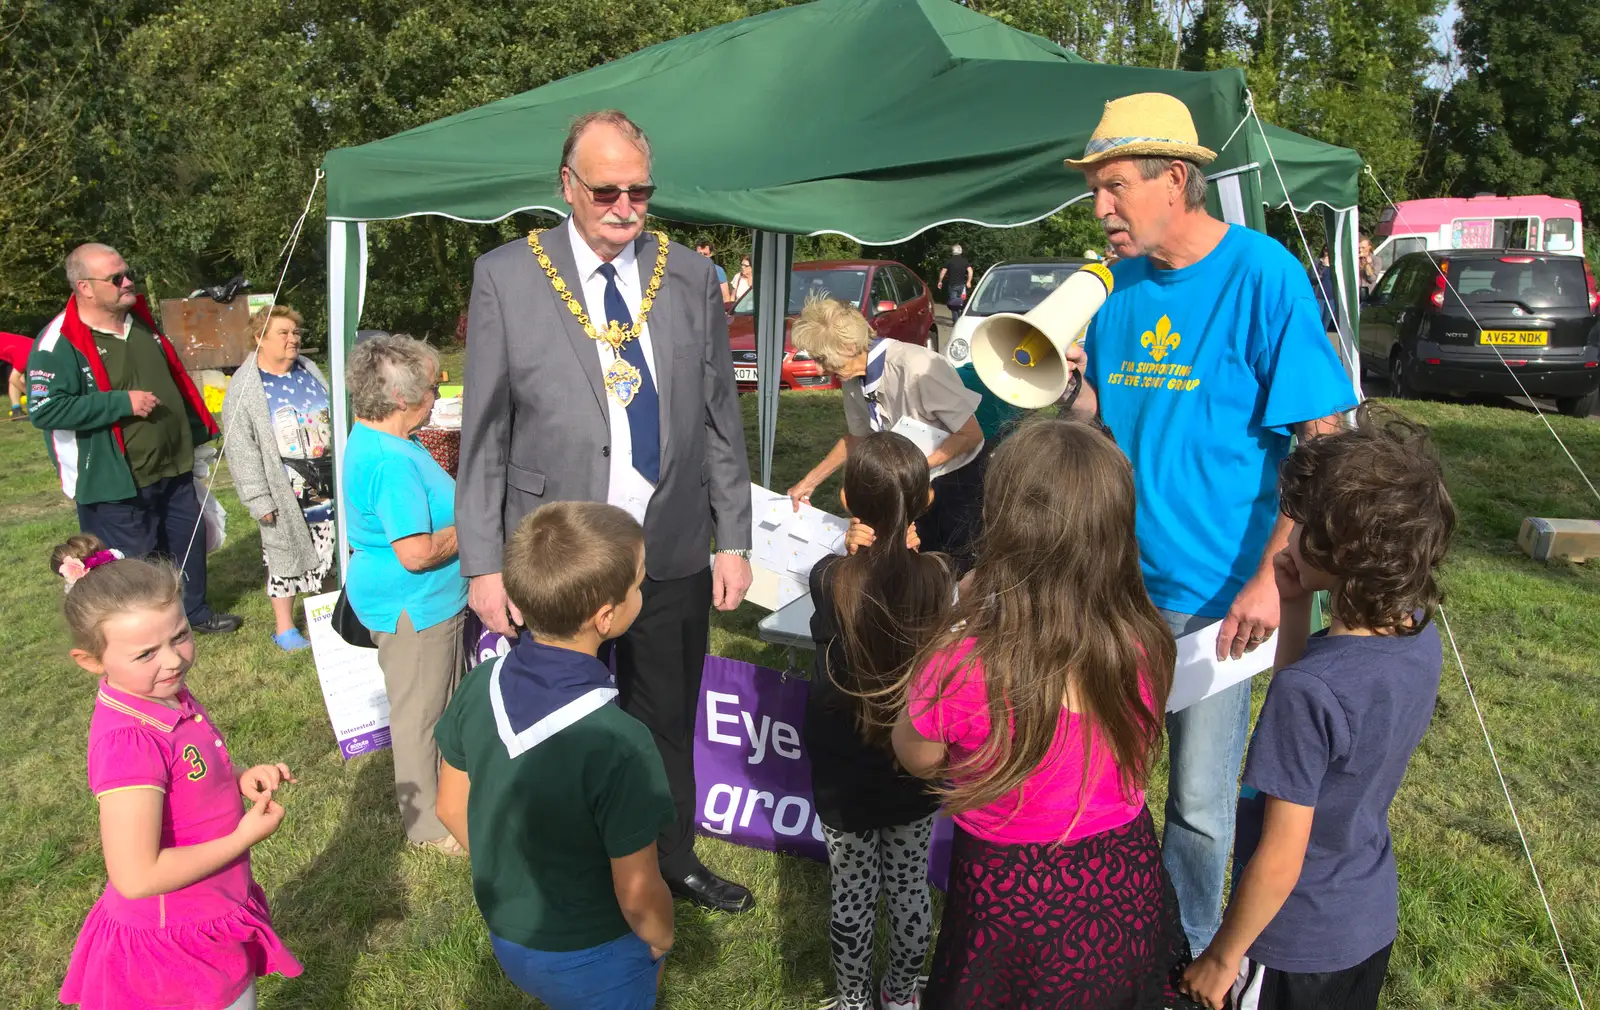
(1594,290)
(1437,298)
(1516,259)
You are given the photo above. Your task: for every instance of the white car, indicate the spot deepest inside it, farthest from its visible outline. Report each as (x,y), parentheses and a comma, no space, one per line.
(1006,287)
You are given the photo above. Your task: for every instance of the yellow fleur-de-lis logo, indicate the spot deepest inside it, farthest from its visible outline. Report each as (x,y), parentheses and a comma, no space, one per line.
(1163,340)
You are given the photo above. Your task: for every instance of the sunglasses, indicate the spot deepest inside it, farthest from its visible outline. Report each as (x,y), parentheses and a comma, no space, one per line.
(116,279)
(605,196)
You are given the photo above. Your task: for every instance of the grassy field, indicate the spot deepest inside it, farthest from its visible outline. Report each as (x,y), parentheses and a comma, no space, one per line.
(380,925)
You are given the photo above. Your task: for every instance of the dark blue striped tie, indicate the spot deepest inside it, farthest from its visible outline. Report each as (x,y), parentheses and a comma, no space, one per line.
(644,410)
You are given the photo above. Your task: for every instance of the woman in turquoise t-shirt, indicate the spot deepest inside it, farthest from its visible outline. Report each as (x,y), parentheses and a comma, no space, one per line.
(405,578)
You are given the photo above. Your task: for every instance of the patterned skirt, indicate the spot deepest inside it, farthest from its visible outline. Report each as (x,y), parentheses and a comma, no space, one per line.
(1092,924)
(323,536)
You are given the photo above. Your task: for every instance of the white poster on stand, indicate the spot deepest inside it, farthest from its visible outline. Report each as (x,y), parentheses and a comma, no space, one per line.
(352,683)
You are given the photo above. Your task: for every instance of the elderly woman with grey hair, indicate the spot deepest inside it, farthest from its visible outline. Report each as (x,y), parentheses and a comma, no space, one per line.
(404,580)
(277,435)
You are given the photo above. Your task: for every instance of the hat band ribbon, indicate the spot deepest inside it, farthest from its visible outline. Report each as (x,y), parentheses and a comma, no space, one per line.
(1103,144)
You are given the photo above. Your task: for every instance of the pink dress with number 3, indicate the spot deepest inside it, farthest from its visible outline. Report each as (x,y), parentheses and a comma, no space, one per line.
(201,946)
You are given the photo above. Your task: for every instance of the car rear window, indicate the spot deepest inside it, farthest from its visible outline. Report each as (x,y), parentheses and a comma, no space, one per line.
(1555,282)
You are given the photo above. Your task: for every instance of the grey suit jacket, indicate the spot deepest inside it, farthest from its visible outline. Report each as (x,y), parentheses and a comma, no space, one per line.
(534,426)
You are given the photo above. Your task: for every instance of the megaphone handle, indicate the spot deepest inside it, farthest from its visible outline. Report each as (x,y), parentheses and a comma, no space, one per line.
(1074,387)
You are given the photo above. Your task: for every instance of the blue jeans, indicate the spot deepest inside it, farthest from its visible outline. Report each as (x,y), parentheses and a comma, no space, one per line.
(618,975)
(1206,744)
(160,519)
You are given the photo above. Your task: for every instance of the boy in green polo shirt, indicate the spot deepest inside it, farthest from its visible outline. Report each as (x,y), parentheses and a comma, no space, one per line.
(556,792)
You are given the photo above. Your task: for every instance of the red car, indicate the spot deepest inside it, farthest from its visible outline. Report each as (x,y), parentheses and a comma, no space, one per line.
(892,297)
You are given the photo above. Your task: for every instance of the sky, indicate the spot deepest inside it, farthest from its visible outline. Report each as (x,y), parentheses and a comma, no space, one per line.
(1444,27)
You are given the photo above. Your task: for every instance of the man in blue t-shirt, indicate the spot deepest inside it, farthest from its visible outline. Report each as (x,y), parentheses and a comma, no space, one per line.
(1204,362)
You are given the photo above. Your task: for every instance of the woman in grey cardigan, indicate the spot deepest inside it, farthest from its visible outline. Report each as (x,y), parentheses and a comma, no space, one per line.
(278,437)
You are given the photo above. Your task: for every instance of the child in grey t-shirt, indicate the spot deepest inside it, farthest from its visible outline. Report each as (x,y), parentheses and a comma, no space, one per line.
(1314,910)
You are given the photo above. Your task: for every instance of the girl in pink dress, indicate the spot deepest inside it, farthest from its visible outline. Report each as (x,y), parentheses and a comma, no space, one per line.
(181,923)
(1041,708)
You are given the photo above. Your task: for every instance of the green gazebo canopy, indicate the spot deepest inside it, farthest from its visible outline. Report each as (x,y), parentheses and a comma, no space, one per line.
(871,118)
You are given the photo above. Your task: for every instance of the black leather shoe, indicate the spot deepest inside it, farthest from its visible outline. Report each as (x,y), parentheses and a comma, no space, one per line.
(220,624)
(708,890)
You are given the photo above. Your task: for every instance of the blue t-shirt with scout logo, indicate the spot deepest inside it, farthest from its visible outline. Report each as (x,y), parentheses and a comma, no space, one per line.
(1202,373)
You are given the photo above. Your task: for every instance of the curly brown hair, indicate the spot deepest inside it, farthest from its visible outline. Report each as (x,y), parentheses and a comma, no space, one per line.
(1375,514)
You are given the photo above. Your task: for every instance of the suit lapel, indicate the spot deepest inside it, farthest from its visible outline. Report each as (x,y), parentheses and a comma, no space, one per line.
(661,333)
(558,246)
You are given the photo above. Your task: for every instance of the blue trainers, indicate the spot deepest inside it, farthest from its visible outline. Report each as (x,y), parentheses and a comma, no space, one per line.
(291,640)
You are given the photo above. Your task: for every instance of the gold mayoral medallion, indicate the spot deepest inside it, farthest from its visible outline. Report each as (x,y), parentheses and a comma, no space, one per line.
(622,379)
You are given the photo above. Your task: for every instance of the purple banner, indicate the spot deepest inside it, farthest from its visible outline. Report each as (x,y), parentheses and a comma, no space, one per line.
(363,743)
(752,776)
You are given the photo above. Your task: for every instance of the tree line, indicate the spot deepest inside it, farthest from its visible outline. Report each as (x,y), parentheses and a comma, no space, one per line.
(186,132)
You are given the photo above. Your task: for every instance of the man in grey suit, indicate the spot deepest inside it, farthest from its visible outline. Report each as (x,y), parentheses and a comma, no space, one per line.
(631,403)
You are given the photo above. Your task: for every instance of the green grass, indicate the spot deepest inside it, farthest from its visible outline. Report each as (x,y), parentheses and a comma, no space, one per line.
(379,925)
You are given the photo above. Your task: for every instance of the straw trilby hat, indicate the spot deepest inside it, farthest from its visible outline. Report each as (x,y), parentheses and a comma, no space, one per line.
(1151,125)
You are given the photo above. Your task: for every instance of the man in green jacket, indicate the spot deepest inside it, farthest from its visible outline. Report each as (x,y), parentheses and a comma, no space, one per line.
(121,420)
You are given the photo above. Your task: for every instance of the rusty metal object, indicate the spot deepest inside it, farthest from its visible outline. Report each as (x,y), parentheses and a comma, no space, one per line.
(208,334)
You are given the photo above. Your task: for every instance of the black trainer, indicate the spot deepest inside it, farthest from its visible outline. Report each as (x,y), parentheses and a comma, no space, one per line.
(219,624)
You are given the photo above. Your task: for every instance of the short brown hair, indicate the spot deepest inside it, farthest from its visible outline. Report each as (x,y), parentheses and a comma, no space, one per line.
(611,117)
(111,589)
(569,559)
(1375,514)
(261,318)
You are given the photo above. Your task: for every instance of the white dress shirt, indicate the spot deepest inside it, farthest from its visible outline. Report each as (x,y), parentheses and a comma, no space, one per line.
(627,488)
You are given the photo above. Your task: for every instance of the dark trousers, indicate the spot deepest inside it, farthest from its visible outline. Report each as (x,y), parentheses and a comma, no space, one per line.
(659,663)
(1353,988)
(162,519)
(954,520)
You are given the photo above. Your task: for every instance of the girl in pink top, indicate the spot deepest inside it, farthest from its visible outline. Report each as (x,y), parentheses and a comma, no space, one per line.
(181,923)
(1042,707)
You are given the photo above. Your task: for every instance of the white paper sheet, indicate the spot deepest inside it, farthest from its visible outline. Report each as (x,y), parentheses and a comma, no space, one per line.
(352,683)
(786,545)
(926,437)
(1199,675)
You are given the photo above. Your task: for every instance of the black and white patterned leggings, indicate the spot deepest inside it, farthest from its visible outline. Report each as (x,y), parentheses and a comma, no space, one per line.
(894,862)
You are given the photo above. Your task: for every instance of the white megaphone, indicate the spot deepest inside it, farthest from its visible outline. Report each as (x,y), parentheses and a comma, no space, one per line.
(1022,359)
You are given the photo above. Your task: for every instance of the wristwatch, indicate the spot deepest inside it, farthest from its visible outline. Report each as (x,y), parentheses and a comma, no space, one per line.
(743,555)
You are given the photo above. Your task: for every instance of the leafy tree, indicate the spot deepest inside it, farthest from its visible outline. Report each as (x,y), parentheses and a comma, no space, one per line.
(1349,73)
(1526,118)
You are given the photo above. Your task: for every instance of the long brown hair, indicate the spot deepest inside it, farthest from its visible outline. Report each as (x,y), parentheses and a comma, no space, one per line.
(1059,614)
(888,598)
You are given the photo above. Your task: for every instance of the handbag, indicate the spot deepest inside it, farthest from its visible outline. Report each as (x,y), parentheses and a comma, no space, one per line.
(348,625)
